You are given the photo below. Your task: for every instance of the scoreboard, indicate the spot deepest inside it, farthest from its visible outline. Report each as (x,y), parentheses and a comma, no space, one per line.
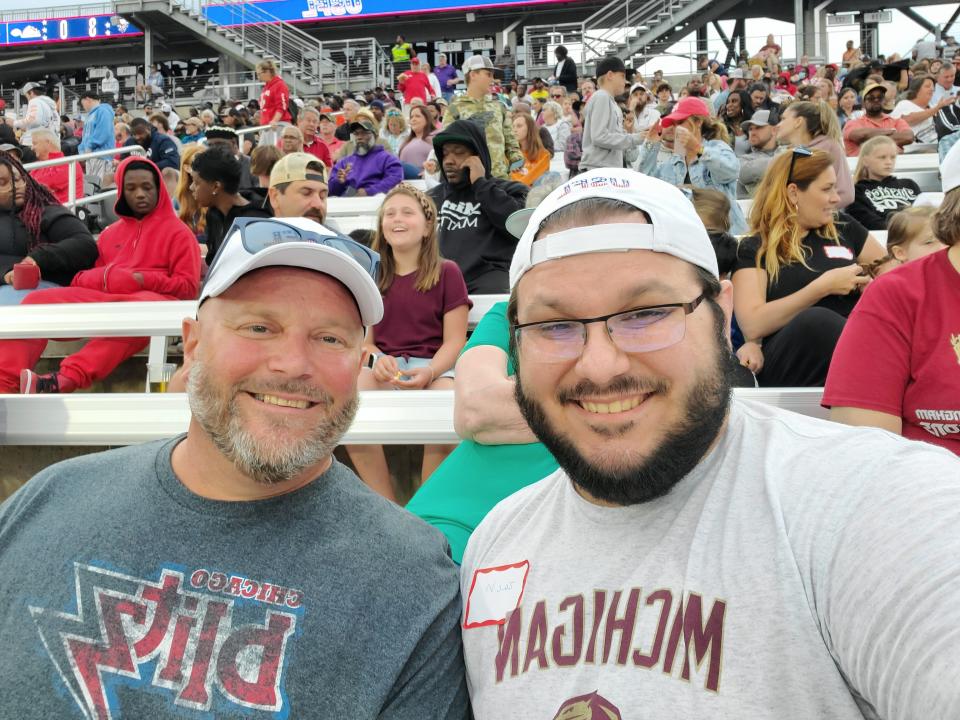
(71,29)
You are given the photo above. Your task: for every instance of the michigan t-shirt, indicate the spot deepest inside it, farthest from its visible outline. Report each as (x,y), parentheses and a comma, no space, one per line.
(804,569)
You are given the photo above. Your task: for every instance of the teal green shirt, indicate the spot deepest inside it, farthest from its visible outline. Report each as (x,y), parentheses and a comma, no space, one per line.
(476,477)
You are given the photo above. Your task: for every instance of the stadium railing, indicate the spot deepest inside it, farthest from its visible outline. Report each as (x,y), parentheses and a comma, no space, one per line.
(412,417)
(73,201)
(157,320)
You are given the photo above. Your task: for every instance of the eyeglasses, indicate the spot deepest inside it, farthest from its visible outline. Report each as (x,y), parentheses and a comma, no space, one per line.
(257,234)
(639,330)
(802,151)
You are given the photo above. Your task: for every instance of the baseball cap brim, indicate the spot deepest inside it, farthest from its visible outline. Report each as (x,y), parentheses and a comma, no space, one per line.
(362,125)
(235,262)
(517,221)
(755,123)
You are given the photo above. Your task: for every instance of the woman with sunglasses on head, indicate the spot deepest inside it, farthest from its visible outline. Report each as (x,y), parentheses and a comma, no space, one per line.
(799,276)
(815,125)
(216,187)
(909,320)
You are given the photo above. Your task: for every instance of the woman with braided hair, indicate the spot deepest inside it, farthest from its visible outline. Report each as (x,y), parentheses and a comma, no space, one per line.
(38,230)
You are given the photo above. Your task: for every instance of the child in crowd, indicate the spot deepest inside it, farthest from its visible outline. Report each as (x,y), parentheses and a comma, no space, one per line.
(148,254)
(536,158)
(909,237)
(877,193)
(713,208)
(424,325)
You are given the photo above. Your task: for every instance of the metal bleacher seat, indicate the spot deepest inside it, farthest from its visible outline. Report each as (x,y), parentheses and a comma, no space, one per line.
(412,417)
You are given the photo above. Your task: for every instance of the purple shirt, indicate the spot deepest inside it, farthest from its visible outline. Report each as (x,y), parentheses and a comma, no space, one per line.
(447,72)
(412,324)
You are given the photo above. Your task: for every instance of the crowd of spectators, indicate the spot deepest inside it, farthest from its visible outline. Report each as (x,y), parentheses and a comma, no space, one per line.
(695,241)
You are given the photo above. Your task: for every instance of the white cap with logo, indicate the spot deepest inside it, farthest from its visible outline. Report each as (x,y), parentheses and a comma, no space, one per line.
(675,228)
(297,242)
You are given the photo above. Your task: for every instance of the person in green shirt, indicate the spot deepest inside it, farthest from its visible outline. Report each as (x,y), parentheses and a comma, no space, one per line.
(499,454)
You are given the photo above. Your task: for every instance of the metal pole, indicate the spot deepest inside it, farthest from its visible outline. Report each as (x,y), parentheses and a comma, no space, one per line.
(798,27)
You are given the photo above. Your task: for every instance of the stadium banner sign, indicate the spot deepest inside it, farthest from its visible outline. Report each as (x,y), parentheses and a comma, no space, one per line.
(318,10)
(44,31)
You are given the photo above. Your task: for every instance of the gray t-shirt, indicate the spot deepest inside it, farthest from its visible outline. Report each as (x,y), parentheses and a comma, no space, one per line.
(124,595)
(804,569)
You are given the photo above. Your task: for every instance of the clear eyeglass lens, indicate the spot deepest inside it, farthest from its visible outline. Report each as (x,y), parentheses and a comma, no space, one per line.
(636,331)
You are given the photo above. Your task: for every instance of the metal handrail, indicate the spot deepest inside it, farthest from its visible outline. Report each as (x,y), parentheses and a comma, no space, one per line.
(57,11)
(72,201)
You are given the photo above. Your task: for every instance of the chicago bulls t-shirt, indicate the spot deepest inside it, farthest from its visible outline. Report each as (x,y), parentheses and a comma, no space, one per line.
(804,569)
(821,255)
(908,327)
(124,595)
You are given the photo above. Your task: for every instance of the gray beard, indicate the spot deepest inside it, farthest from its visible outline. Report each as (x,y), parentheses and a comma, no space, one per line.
(219,417)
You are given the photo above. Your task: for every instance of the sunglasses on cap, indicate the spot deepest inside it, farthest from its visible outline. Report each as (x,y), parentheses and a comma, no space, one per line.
(257,234)
(802,151)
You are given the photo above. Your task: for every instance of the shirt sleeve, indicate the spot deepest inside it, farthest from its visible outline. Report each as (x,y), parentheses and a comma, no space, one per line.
(747,254)
(878,557)
(870,367)
(852,233)
(493,329)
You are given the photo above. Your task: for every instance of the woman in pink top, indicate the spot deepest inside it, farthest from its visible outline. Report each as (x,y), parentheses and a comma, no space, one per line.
(815,125)
(417,146)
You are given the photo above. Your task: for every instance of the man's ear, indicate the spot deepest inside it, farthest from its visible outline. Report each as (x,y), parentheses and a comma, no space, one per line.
(190,331)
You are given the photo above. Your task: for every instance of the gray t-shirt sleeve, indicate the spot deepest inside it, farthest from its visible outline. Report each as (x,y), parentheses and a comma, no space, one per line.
(879,561)
(433,682)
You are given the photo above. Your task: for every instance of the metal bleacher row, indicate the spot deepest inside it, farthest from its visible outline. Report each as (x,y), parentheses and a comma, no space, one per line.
(412,417)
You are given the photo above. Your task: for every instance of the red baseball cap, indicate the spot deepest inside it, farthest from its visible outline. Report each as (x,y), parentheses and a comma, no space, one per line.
(687,107)
(414,60)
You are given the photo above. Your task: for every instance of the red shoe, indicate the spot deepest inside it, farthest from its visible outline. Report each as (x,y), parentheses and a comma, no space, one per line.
(32,383)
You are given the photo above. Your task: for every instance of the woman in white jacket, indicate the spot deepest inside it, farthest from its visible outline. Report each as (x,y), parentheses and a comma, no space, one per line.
(41,113)
(556,124)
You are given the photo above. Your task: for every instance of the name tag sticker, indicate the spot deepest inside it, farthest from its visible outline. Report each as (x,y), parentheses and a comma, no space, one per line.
(838,252)
(494,593)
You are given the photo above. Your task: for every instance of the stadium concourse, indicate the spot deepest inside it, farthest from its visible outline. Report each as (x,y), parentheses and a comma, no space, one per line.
(240,269)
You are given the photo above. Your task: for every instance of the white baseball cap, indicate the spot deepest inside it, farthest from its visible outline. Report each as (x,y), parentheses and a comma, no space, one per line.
(675,228)
(950,169)
(254,243)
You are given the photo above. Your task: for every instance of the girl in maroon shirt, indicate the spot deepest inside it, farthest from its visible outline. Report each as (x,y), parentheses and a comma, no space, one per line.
(424,324)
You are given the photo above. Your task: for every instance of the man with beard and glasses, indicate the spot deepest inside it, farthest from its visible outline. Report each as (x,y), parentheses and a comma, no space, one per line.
(693,556)
(238,569)
(370,169)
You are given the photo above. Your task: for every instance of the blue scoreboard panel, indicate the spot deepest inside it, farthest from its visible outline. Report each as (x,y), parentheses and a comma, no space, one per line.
(71,29)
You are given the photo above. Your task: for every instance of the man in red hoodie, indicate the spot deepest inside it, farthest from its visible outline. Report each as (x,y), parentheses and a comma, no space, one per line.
(414,84)
(148,254)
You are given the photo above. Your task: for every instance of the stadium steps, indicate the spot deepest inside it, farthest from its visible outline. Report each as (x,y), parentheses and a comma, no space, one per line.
(257,35)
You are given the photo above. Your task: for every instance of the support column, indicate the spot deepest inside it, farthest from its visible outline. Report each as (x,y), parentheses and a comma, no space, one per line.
(147,50)
(798,23)
(701,43)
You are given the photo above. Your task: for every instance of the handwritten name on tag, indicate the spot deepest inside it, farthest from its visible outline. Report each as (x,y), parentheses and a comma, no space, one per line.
(494,593)
(838,252)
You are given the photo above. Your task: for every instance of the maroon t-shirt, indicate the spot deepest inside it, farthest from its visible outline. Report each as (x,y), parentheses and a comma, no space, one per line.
(412,324)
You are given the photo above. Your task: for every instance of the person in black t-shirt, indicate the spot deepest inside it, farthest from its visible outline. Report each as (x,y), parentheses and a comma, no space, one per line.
(878,194)
(799,276)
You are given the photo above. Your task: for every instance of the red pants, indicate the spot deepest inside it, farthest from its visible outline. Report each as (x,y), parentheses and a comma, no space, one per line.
(95,361)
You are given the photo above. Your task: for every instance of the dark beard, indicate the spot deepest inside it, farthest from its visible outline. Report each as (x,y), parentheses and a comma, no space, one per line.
(684,445)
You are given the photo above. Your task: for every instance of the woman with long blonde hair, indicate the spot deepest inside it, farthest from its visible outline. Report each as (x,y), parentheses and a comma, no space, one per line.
(189,210)
(424,324)
(799,275)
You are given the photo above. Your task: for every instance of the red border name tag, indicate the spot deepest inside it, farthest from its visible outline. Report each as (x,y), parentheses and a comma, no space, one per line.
(495,592)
